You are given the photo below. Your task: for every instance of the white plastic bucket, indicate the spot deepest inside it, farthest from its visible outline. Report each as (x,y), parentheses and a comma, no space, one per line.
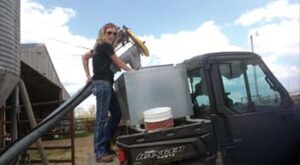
(156,118)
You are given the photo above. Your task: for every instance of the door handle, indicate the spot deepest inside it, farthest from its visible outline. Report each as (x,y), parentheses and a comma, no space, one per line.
(234,144)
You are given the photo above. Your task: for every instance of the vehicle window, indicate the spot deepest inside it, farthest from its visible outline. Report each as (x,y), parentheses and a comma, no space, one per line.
(236,75)
(198,91)
(235,93)
(263,92)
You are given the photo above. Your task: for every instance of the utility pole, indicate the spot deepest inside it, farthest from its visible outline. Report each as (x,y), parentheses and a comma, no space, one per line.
(251,42)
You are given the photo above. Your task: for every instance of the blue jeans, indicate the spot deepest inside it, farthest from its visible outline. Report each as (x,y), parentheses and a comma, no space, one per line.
(105,126)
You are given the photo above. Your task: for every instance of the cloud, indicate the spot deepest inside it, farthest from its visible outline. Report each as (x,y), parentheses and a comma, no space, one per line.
(174,48)
(49,26)
(288,75)
(278,9)
(278,37)
(278,29)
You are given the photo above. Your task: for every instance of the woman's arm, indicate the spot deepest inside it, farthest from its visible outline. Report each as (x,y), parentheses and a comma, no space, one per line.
(119,63)
(85,61)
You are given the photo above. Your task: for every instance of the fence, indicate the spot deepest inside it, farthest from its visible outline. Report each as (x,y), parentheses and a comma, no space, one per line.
(84,124)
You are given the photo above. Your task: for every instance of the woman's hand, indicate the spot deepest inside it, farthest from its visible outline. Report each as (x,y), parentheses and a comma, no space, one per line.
(89,79)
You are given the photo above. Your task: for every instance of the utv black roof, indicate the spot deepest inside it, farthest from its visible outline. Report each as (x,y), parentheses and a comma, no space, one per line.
(200,60)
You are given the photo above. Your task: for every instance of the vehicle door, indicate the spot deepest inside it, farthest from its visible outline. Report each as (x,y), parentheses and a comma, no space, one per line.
(202,107)
(256,111)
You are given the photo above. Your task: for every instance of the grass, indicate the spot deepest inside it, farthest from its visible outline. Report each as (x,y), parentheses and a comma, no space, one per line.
(52,154)
(57,153)
(82,133)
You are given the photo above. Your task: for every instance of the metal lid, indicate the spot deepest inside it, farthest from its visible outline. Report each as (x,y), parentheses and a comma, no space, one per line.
(137,41)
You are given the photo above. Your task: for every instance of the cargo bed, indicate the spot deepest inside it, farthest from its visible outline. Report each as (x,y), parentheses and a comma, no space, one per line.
(188,139)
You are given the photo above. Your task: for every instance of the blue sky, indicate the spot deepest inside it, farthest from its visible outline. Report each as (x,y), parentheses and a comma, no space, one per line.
(156,17)
(174,30)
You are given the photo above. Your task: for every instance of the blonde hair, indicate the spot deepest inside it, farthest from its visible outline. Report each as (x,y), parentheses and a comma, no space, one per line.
(101,33)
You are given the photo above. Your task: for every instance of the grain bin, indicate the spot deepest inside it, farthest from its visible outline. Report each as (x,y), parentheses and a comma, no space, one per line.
(9,47)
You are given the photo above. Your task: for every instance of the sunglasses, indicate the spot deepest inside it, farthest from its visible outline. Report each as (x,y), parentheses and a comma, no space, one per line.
(111,33)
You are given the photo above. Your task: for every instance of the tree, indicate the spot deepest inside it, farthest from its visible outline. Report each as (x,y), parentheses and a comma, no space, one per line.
(92,111)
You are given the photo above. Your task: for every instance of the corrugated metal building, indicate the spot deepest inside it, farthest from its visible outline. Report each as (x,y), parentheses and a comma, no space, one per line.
(44,82)
(46,93)
(32,63)
(44,88)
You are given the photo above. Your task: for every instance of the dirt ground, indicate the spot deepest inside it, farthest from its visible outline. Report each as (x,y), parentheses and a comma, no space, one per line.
(83,148)
(84,154)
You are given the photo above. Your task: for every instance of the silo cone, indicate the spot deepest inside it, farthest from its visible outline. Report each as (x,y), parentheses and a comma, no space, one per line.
(9,47)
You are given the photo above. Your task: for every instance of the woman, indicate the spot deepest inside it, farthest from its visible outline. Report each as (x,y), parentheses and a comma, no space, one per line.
(103,55)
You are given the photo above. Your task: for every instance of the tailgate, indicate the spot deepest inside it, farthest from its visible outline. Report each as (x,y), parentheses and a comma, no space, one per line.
(168,145)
